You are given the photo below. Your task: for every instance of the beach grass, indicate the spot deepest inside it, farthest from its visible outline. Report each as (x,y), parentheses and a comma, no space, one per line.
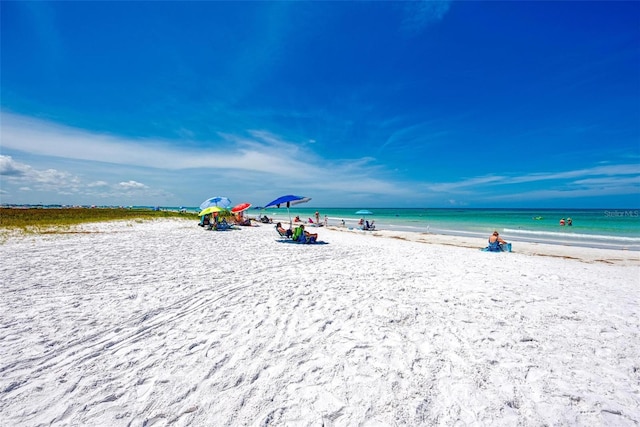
(39,220)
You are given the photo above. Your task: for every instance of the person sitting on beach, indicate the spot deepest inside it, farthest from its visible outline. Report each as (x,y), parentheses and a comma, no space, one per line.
(240,219)
(266,220)
(244,222)
(300,235)
(296,219)
(204,221)
(282,231)
(368,226)
(496,242)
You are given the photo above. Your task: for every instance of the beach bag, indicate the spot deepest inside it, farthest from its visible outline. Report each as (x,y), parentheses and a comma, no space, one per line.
(297,233)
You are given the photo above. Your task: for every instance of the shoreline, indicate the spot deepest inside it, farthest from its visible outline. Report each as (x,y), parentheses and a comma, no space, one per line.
(580,253)
(583,251)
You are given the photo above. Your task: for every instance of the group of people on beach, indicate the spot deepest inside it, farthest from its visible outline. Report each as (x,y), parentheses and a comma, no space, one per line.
(568,222)
(311,221)
(213,221)
(366,225)
(299,234)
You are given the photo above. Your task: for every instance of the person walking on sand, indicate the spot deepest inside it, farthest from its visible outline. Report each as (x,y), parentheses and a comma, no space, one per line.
(317,217)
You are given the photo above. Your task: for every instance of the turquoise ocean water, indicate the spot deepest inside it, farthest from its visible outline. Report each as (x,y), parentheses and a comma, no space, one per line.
(604,228)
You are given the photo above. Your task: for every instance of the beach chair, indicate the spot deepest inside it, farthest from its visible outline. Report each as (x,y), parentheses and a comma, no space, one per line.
(287,234)
(298,237)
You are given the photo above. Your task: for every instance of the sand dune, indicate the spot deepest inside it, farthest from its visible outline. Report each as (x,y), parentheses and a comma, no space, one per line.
(164,323)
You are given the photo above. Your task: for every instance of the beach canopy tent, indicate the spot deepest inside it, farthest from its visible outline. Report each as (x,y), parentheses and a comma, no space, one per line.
(219,201)
(288,200)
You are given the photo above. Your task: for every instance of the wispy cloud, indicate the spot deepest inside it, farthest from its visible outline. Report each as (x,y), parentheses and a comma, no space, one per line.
(255,157)
(420,134)
(255,151)
(607,170)
(421,14)
(565,193)
(609,180)
(261,164)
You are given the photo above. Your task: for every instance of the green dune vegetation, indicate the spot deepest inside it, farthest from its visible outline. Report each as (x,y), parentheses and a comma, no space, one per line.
(52,220)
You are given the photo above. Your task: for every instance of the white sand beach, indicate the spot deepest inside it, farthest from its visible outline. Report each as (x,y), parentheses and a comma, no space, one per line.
(158,323)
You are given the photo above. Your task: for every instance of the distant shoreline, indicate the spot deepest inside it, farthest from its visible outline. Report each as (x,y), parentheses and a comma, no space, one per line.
(515,236)
(421,228)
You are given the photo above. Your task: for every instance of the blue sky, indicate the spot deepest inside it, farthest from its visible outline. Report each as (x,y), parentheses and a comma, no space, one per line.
(354,104)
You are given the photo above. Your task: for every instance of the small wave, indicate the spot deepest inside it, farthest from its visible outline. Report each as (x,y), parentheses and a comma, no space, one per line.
(577,236)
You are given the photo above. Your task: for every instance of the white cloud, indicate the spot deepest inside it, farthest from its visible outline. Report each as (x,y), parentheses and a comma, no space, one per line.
(257,165)
(566,193)
(11,168)
(616,175)
(13,171)
(132,185)
(608,170)
(599,181)
(52,181)
(258,154)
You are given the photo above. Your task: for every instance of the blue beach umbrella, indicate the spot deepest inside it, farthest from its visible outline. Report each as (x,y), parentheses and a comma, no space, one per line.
(287,200)
(221,202)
